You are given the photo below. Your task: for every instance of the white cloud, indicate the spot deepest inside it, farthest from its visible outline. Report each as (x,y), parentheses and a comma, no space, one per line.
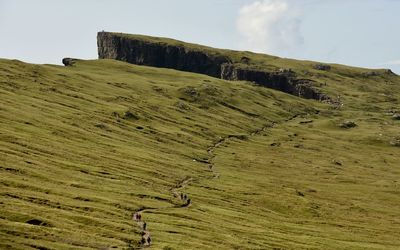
(269,26)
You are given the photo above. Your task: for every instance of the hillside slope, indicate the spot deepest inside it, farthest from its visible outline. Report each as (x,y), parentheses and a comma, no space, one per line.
(83,148)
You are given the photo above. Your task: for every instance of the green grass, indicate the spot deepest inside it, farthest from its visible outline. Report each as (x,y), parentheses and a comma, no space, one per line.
(84,147)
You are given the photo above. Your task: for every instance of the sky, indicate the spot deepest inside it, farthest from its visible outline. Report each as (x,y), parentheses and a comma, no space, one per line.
(361,33)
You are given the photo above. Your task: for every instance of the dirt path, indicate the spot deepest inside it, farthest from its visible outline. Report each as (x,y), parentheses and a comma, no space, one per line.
(146,240)
(177,192)
(180,185)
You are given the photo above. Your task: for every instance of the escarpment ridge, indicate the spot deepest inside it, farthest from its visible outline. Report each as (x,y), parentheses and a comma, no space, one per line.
(224,64)
(158,54)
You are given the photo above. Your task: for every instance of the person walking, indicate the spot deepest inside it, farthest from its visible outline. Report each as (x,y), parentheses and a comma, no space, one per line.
(149,241)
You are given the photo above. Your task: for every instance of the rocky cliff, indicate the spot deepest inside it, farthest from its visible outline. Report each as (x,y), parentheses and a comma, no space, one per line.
(283,80)
(177,55)
(142,52)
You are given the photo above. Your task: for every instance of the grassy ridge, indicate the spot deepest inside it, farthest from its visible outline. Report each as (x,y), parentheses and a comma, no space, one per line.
(84,147)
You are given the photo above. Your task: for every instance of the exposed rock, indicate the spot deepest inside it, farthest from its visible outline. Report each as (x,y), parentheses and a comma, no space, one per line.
(370,73)
(387,72)
(348,124)
(239,137)
(392,112)
(69,61)
(283,80)
(141,52)
(396,116)
(305,121)
(190,93)
(130,116)
(182,106)
(205,61)
(38,222)
(101,126)
(337,162)
(245,60)
(321,66)
(395,142)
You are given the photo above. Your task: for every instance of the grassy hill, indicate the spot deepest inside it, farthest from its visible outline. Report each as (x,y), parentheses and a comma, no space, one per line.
(83,148)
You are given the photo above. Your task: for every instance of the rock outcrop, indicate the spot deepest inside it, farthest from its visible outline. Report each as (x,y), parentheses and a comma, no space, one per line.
(382,72)
(69,61)
(178,56)
(321,66)
(141,52)
(283,80)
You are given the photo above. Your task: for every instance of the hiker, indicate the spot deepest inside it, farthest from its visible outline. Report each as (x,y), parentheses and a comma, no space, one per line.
(149,241)
(137,216)
(144,226)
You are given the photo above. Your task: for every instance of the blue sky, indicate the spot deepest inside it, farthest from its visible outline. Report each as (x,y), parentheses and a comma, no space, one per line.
(354,32)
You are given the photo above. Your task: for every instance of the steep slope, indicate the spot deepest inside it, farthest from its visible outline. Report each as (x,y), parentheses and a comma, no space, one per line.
(84,148)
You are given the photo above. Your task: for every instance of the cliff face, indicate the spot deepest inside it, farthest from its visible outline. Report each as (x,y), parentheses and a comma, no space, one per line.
(180,57)
(284,80)
(112,46)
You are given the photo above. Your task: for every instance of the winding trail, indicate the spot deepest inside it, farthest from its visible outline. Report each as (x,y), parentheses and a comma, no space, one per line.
(145,240)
